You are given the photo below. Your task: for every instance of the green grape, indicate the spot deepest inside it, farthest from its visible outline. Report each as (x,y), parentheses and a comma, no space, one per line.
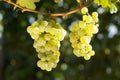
(87,57)
(83,51)
(82,32)
(34,32)
(55,59)
(88,47)
(85,39)
(78,25)
(95,19)
(49,57)
(47,37)
(57,53)
(87,18)
(81,24)
(78,1)
(57,1)
(76,52)
(43,58)
(43,23)
(50,65)
(42,64)
(34,24)
(62,34)
(80,46)
(48,60)
(84,10)
(72,37)
(40,49)
(95,16)
(97,25)
(41,41)
(92,53)
(53,31)
(91,29)
(74,44)
(41,55)
(51,45)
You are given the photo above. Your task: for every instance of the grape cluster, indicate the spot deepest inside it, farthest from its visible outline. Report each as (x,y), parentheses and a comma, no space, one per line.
(82,32)
(47,37)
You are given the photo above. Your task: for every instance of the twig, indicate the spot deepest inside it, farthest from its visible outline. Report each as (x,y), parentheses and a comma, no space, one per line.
(23,9)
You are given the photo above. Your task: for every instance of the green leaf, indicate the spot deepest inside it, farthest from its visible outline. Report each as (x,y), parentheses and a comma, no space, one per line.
(113,9)
(108,4)
(27,3)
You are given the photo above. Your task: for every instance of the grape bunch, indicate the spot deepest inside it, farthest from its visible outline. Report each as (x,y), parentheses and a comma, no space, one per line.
(47,37)
(82,32)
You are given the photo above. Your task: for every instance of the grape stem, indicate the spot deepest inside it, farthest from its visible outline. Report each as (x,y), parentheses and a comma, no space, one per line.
(23,9)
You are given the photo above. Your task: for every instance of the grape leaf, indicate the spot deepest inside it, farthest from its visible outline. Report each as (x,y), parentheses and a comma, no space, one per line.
(108,3)
(113,9)
(27,3)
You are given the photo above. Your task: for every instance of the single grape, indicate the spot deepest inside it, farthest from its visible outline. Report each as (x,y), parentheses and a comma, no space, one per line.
(78,1)
(88,47)
(81,24)
(34,32)
(57,1)
(92,53)
(87,18)
(87,57)
(80,46)
(85,39)
(94,14)
(84,10)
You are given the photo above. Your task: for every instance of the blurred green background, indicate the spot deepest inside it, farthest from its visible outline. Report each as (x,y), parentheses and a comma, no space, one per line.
(18,57)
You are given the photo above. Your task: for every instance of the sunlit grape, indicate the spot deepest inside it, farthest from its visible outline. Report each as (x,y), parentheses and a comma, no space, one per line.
(81,24)
(92,53)
(91,29)
(57,1)
(87,57)
(78,1)
(85,39)
(84,10)
(87,18)
(94,14)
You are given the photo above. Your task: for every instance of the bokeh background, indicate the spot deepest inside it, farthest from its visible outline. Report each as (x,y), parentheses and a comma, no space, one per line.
(18,57)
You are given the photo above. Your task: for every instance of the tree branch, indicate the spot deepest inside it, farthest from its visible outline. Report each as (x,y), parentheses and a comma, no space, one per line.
(23,9)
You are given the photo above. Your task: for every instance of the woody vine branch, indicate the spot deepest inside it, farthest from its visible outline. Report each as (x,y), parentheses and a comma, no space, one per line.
(23,9)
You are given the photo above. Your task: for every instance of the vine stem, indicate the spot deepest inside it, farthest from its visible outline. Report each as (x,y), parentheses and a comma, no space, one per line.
(23,9)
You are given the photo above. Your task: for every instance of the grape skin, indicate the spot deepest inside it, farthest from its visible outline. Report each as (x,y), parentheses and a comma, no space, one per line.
(57,1)
(78,1)
(84,10)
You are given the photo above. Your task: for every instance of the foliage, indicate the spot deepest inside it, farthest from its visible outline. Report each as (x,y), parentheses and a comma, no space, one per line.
(27,3)
(108,3)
